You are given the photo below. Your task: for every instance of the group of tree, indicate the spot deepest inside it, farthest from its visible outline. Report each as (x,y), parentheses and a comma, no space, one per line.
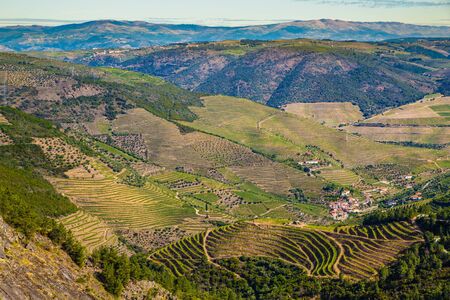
(29,204)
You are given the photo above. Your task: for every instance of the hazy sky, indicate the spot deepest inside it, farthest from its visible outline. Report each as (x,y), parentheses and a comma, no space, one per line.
(223,12)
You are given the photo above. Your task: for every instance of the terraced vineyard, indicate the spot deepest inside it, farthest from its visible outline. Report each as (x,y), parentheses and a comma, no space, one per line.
(269,131)
(428,111)
(223,200)
(201,152)
(391,231)
(279,179)
(126,206)
(91,231)
(187,183)
(425,121)
(414,133)
(310,250)
(357,252)
(225,153)
(341,176)
(182,256)
(169,147)
(368,248)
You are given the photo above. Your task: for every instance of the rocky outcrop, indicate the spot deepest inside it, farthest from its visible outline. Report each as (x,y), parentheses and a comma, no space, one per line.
(39,270)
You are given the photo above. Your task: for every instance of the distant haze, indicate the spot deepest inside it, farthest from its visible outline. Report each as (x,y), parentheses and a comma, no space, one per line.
(138,34)
(224,13)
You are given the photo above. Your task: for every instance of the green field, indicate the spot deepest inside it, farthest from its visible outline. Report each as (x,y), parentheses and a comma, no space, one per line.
(443,110)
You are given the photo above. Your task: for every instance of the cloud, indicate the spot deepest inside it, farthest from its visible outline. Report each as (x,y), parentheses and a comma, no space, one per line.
(383,3)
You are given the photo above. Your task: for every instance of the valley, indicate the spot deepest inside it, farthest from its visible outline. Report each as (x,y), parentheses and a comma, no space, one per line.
(196,194)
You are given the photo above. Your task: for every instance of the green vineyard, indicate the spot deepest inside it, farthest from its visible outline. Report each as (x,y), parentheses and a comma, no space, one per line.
(368,248)
(124,206)
(187,183)
(340,176)
(278,179)
(182,256)
(89,230)
(357,252)
(310,250)
(391,231)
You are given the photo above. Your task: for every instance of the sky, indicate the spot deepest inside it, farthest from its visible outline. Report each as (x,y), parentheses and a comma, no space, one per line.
(222,12)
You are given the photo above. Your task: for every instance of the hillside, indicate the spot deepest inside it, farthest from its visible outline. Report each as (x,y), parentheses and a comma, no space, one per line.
(154,192)
(425,122)
(271,131)
(327,113)
(374,76)
(126,34)
(38,269)
(72,93)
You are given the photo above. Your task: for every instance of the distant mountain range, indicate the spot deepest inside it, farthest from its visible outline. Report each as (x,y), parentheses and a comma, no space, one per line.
(136,34)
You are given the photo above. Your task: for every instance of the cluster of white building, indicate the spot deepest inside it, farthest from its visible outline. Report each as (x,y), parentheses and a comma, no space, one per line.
(339,210)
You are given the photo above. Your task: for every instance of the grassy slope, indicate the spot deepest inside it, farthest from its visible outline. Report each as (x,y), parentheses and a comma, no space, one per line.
(331,114)
(423,112)
(270,131)
(201,151)
(425,121)
(423,135)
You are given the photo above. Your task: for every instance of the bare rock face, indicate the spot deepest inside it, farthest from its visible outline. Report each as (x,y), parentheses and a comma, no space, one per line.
(39,270)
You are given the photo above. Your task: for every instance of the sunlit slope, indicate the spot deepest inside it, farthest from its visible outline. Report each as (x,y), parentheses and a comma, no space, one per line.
(423,135)
(273,132)
(356,252)
(426,121)
(3,120)
(124,206)
(433,110)
(329,113)
(200,151)
(91,231)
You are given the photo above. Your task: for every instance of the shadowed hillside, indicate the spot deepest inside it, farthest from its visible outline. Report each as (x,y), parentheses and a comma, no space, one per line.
(374,76)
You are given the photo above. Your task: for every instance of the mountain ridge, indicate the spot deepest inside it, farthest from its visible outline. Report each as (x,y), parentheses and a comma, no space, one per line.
(136,34)
(376,75)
